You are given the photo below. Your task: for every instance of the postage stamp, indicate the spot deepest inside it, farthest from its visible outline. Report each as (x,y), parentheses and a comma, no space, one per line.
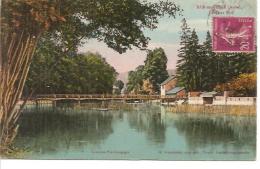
(233,34)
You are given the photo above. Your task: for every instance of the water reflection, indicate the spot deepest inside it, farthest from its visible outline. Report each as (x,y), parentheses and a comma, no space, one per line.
(204,130)
(49,130)
(68,130)
(148,120)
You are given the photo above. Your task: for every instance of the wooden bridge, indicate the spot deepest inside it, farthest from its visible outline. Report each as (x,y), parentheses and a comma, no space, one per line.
(54,98)
(78,97)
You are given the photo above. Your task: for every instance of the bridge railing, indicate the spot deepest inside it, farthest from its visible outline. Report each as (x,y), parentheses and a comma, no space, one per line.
(93,96)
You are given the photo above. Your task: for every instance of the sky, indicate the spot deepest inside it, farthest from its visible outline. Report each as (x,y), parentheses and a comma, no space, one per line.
(167,35)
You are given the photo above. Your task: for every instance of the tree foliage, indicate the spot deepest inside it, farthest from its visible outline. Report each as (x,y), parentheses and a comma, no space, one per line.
(148,87)
(120,85)
(183,65)
(208,65)
(146,79)
(200,69)
(82,74)
(243,85)
(194,61)
(119,23)
(155,68)
(135,80)
(190,66)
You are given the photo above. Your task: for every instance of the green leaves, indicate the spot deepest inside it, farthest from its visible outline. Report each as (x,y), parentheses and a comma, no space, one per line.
(190,60)
(155,69)
(31,16)
(151,75)
(119,23)
(82,74)
(135,80)
(243,85)
(120,85)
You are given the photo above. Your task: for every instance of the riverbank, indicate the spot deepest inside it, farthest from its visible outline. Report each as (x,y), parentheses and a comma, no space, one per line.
(175,108)
(13,153)
(214,109)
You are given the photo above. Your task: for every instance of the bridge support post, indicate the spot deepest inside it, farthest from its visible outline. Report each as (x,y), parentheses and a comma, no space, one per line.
(54,103)
(103,104)
(78,102)
(36,104)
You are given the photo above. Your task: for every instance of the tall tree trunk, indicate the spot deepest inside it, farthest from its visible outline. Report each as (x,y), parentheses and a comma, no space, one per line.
(17,49)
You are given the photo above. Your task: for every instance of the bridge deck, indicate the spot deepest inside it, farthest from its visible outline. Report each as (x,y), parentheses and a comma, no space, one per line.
(56,97)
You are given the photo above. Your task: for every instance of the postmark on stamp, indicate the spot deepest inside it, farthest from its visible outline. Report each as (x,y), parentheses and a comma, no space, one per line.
(233,34)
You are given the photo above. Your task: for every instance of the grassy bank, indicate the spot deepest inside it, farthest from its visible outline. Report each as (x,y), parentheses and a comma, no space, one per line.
(84,105)
(216,109)
(13,153)
(105,105)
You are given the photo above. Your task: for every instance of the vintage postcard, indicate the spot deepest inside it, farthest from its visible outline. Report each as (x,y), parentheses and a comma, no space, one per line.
(168,80)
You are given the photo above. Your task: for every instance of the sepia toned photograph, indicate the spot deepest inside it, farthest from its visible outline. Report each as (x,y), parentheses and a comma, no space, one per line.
(163,80)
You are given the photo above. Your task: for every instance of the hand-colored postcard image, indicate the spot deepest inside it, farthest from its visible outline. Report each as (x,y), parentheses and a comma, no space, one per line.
(168,80)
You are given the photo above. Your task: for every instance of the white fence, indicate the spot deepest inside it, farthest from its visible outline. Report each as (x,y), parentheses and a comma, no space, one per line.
(221,100)
(241,101)
(195,100)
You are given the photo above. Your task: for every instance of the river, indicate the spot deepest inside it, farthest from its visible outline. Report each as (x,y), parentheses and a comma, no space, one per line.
(145,132)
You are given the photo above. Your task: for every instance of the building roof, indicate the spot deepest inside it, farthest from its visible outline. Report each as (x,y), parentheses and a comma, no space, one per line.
(175,90)
(208,94)
(115,87)
(167,80)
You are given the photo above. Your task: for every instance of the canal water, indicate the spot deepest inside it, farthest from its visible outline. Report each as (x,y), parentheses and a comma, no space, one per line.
(144,132)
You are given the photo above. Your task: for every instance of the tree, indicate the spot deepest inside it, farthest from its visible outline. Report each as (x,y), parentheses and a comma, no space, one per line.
(200,69)
(96,75)
(155,68)
(148,87)
(135,80)
(243,85)
(42,76)
(208,65)
(189,65)
(146,79)
(82,74)
(119,24)
(183,69)
(194,61)
(221,68)
(120,85)
(233,64)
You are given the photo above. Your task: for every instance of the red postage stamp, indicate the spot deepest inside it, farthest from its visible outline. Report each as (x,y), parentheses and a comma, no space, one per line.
(233,34)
